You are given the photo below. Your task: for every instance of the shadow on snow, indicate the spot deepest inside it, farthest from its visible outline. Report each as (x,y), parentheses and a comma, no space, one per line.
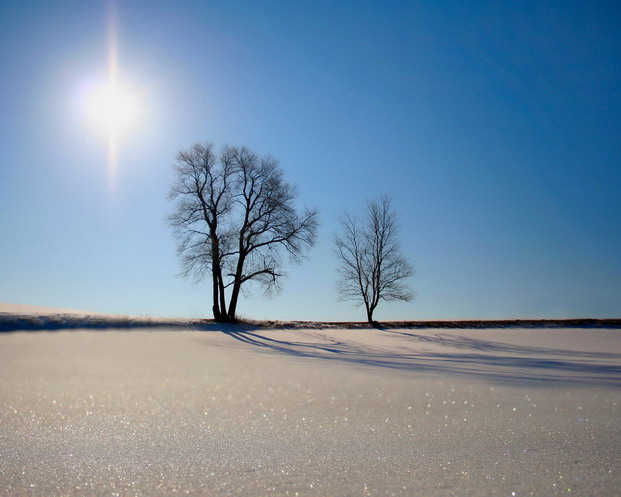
(485,359)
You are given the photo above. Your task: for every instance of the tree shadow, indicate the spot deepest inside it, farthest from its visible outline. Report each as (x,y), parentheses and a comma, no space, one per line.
(476,358)
(463,342)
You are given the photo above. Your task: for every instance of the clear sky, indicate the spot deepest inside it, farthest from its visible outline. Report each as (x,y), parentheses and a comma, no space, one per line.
(495,126)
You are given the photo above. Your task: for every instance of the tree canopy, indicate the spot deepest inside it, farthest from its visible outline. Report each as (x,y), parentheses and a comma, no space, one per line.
(234,218)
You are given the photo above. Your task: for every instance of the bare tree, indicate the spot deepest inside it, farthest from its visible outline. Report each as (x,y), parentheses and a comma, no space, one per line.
(203,195)
(371,267)
(271,226)
(234,217)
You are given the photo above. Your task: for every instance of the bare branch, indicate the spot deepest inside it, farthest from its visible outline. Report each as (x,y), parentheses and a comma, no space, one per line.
(370,265)
(235,217)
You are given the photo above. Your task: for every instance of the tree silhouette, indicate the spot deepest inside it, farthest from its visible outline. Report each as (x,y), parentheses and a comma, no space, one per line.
(234,217)
(371,267)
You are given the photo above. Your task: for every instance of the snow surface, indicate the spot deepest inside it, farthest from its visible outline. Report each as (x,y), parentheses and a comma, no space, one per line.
(28,317)
(310,412)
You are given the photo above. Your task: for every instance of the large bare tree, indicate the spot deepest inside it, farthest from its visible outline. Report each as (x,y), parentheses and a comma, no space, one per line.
(234,217)
(203,197)
(371,267)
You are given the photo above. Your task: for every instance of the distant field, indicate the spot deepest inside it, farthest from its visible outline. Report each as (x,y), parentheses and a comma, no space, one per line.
(24,317)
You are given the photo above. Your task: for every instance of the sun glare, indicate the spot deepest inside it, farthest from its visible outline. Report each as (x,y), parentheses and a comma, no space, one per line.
(112,107)
(108,103)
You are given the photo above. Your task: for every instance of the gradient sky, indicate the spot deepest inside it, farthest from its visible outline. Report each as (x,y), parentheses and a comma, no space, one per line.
(495,126)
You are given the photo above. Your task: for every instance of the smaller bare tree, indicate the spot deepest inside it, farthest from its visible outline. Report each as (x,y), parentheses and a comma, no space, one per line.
(371,267)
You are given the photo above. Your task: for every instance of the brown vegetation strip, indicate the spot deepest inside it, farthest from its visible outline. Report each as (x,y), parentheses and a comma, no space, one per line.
(14,322)
(457,324)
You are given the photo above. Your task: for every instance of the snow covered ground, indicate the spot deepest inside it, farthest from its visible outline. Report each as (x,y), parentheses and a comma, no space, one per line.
(29,317)
(255,411)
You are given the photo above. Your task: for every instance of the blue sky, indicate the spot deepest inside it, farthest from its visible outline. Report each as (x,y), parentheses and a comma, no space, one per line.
(494,126)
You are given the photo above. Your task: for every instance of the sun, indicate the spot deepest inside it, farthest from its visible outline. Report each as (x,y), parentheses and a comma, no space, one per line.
(112,107)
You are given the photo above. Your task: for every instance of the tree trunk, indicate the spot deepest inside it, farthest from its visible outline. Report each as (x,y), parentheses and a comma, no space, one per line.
(370,315)
(219,305)
(235,292)
(236,286)
(223,313)
(233,302)
(215,307)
